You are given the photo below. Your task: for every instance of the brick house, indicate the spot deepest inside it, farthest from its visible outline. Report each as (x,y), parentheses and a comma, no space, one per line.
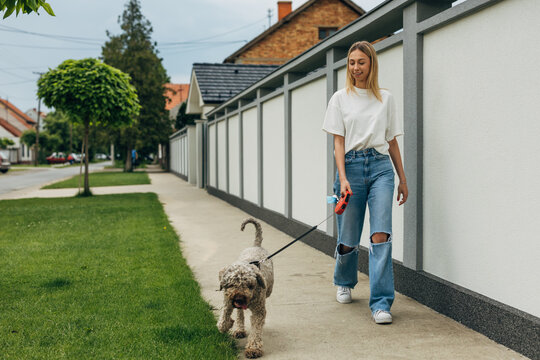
(296,31)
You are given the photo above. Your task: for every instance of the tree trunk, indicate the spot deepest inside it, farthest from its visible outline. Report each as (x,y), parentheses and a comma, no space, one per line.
(128,167)
(80,168)
(86,184)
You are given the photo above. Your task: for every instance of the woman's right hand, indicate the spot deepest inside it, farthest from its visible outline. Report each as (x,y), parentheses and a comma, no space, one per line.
(344,187)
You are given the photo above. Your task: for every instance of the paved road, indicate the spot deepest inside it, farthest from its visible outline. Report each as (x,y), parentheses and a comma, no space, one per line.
(17,180)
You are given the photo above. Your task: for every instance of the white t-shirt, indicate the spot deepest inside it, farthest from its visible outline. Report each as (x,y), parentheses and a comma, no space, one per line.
(364,121)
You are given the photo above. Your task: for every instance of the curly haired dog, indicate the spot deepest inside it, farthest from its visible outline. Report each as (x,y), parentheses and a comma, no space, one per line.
(246,287)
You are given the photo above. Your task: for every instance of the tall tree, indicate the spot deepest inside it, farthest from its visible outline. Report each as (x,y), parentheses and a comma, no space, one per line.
(134,53)
(91,93)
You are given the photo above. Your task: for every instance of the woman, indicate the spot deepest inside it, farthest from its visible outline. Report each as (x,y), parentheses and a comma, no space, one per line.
(362,119)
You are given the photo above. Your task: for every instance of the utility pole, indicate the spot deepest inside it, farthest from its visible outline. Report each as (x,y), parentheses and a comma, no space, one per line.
(37,126)
(269,17)
(37,133)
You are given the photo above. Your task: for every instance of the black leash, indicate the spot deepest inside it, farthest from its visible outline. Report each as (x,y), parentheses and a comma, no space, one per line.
(258,262)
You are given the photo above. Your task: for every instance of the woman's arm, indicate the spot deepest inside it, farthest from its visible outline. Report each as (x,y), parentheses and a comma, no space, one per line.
(403,191)
(339,153)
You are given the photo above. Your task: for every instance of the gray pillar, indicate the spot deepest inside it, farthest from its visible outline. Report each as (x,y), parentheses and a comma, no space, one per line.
(199,131)
(226,150)
(413,97)
(216,152)
(288,145)
(240,149)
(260,184)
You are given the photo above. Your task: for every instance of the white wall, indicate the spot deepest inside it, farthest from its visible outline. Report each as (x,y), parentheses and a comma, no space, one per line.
(481,168)
(308,105)
(222,155)
(174,155)
(191,154)
(212,155)
(251,162)
(391,78)
(274,154)
(234,156)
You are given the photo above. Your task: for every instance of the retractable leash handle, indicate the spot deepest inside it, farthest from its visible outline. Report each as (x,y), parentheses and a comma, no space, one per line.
(343,202)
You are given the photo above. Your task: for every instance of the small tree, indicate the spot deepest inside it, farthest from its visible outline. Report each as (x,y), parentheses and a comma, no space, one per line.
(91,93)
(5,142)
(24,6)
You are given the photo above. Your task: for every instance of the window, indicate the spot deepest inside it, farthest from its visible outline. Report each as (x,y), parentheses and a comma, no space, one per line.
(324,32)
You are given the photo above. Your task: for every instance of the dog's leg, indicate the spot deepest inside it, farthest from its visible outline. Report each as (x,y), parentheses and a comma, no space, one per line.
(240,330)
(255,344)
(225,322)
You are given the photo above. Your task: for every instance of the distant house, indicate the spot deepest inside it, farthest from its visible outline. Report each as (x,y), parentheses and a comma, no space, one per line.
(33,114)
(176,94)
(296,31)
(13,122)
(212,84)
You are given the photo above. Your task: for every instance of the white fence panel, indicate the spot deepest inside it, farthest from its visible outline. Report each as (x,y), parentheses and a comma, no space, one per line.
(250,159)
(391,78)
(222,155)
(308,158)
(273,119)
(234,156)
(211,168)
(481,145)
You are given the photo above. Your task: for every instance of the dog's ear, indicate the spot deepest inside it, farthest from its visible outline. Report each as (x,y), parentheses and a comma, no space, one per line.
(260,280)
(222,278)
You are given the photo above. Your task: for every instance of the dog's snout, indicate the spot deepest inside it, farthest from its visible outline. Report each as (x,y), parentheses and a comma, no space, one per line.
(240,302)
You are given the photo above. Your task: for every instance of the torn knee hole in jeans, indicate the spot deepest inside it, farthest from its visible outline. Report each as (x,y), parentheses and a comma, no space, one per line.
(344,249)
(388,236)
(371,243)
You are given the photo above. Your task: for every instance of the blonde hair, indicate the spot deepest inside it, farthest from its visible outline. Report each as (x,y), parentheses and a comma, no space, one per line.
(372,81)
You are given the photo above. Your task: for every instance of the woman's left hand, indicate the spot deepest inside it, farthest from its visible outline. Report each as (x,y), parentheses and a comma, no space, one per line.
(402,193)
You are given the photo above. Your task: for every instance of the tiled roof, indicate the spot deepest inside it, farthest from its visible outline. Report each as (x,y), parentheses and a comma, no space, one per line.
(26,120)
(176,94)
(10,128)
(219,82)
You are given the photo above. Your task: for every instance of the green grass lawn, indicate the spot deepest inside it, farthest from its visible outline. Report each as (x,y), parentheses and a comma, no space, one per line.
(99,179)
(100,277)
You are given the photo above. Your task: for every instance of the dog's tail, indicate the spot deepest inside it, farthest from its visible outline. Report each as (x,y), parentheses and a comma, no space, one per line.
(258,230)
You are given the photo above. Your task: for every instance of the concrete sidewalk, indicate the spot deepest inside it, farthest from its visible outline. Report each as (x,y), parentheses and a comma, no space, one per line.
(304,320)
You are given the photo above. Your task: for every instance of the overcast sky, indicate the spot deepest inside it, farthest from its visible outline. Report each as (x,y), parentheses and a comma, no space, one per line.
(225,26)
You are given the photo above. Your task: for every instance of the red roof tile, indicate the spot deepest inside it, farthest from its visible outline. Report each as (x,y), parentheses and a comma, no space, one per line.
(10,128)
(26,120)
(176,94)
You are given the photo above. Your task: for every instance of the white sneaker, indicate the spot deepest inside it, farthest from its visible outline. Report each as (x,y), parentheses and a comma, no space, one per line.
(343,295)
(382,317)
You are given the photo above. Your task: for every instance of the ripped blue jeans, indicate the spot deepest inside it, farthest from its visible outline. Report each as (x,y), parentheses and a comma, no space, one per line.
(371,177)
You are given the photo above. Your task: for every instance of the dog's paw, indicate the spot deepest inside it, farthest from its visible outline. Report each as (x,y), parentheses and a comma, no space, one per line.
(253,353)
(224,326)
(238,334)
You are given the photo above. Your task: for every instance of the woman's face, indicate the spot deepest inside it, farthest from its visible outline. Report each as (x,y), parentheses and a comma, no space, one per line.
(359,64)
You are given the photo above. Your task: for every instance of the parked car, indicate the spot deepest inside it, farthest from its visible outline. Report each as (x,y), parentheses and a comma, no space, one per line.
(4,162)
(74,158)
(100,156)
(61,158)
